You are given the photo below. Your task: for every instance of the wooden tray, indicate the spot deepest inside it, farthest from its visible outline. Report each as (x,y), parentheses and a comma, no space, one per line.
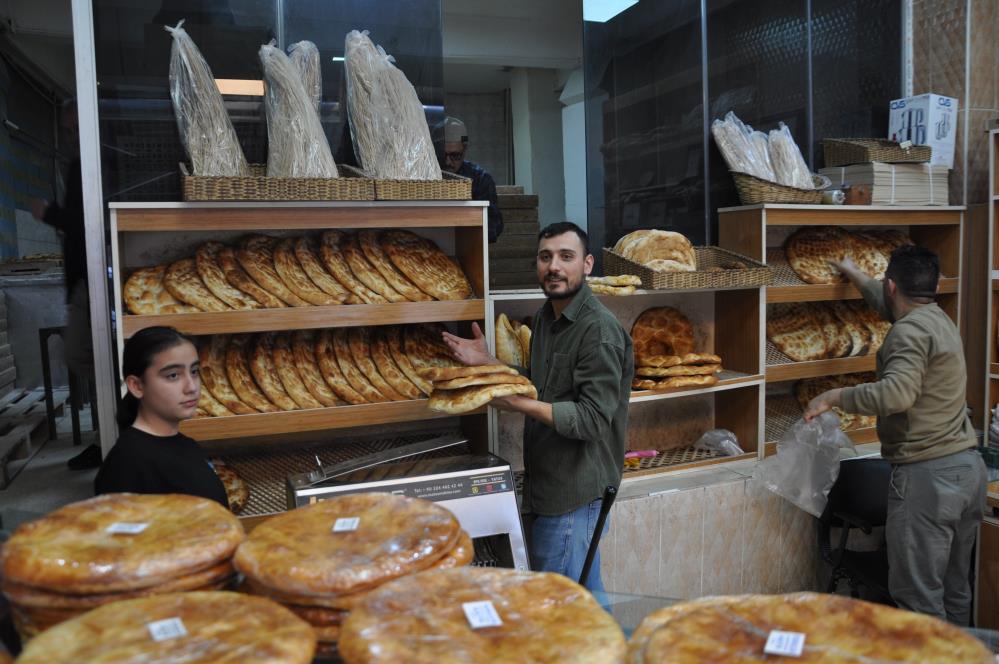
(710,272)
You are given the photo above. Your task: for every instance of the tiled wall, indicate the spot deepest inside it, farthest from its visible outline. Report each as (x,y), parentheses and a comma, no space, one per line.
(734,537)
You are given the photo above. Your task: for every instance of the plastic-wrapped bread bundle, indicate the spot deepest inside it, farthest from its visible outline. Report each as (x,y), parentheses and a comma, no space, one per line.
(297,146)
(205,128)
(305,56)
(789,166)
(761,150)
(739,148)
(387,122)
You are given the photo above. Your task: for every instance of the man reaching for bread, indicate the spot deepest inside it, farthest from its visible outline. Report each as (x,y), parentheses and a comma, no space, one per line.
(574,434)
(937,491)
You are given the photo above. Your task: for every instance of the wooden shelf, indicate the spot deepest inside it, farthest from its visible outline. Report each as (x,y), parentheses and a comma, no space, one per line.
(306,318)
(149,217)
(783,411)
(994,369)
(727,380)
(279,426)
(777,373)
(854,215)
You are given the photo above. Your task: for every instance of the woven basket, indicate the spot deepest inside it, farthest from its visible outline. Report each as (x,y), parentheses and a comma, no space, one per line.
(352,185)
(713,271)
(450,188)
(754,190)
(846,151)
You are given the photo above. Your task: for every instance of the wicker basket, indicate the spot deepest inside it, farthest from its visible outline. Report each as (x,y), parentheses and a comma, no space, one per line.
(450,188)
(352,185)
(714,270)
(754,190)
(846,151)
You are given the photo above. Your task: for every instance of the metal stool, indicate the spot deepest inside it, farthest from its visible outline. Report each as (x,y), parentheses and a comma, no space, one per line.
(44,334)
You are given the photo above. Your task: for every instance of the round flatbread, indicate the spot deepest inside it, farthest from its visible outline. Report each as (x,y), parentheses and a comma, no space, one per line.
(294,277)
(359,339)
(256,256)
(438,374)
(303,348)
(183,282)
(70,551)
(482,379)
(381,355)
(369,243)
(331,253)
(237,369)
(236,489)
(661,245)
(662,331)
(839,629)
(237,277)
(794,331)
(366,272)
(350,370)
(298,552)
(394,335)
(284,362)
(145,294)
(545,618)
(210,270)
(265,373)
(210,405)
(667,265)
(600,289)
(422,261)
(682,370)
(215,378)
(467,399)
(810,249)
(329,367)
(219,627)
(307,253)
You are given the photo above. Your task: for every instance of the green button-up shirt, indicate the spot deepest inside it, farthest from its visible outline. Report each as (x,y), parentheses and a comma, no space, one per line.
(582,363)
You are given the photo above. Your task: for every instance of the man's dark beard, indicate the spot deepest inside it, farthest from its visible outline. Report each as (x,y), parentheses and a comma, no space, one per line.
(563,296)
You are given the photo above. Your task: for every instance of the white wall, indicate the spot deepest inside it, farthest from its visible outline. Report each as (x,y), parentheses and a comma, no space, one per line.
(574,148)
(537,140)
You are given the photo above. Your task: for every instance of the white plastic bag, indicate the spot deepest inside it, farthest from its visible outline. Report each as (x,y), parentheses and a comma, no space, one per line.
(206,131)
(722,441)
(807,462)
(744,150)
(788,164)
(305,56)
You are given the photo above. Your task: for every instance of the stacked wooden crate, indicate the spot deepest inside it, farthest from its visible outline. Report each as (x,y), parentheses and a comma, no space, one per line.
(511,257)
(7,371)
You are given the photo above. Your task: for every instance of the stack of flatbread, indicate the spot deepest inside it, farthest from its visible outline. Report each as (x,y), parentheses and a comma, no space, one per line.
(320,561)
(810,249)
(663,340)
(113,547)
(664,251)
(736,628)
(540,617)
(513,342)
(809,331)
(623,284)
(463,389)
(806,390)
(217,627)
(266,373)
(264,272)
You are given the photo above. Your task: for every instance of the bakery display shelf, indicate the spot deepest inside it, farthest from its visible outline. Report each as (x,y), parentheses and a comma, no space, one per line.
(726,380)
(303,318)
(783,411)
(265,473)
(258,216)
(780,367)
(277,427)
(788,286)
(854,215)
(994,369)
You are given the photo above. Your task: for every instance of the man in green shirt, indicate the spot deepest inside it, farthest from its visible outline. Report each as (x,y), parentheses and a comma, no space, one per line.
(582,364)
(938,482)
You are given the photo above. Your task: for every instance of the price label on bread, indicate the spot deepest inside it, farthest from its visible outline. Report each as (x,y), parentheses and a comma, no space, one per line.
(165,630)
(125,528)
(346,524)
(786,644)
(481,614)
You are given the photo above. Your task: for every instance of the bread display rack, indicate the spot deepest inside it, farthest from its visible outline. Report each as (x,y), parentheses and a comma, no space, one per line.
(992,302)
(759,232)
(147,234)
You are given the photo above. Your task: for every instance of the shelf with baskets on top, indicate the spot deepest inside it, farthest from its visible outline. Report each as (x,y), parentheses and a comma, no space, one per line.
(145,235)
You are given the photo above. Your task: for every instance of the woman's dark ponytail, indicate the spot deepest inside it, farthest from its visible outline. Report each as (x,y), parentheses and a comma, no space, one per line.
(138,354)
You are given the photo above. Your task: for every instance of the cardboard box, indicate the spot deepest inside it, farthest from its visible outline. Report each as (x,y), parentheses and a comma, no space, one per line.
(926,120)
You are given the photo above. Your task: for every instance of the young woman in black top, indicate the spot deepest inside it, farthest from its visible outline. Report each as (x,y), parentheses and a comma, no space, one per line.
(162,374)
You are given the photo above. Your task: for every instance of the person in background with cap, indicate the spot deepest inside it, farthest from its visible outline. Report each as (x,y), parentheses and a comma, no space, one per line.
(936,497)
(454,135)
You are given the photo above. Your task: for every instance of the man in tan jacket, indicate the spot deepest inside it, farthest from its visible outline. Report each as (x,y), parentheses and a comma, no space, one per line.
(938,482)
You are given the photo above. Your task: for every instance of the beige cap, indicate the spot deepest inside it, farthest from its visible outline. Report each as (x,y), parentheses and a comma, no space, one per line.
(452,129)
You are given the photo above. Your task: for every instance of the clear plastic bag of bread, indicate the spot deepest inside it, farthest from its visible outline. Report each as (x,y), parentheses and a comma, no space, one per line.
(744,150)
(387,123)
(305,56)
(206,132)
(720,441)
(807,462)
(788,164)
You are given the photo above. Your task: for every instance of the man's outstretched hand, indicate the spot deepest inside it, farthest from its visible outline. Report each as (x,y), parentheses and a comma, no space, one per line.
(471,352)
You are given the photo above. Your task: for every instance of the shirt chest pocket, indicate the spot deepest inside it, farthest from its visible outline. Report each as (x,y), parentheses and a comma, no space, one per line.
(559,374)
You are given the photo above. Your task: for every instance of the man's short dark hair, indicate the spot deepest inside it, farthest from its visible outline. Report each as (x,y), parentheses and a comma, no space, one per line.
(562,227)
(915,270)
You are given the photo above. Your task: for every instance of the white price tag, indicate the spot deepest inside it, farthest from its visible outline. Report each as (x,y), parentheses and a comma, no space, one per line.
(164,630)
(346,524)
(125,528)
(481,614)
(788,644)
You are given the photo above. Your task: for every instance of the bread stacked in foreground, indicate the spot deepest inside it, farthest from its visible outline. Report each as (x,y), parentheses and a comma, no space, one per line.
(665,356)
(322,560)
(114,547)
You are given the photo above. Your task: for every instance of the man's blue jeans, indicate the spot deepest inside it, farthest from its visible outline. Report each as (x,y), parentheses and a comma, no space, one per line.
(559,544)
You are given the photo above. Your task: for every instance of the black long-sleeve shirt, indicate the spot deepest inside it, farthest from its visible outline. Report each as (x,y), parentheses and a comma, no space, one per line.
(143,463)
